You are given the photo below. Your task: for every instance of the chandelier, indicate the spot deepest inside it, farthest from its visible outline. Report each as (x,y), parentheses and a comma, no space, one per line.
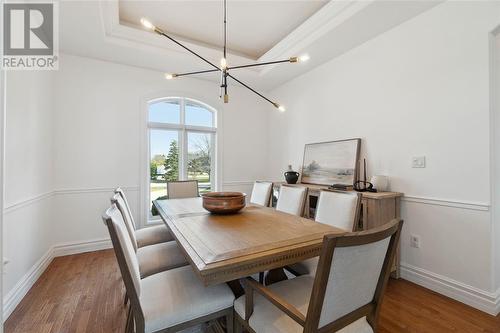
(224,69)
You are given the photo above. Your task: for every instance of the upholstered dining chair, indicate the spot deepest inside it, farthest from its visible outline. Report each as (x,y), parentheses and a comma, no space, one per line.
(146,236)
(169,301)
(182,189)
(337,208)
(292,200)
(261,193)
(344,296)
(152,258)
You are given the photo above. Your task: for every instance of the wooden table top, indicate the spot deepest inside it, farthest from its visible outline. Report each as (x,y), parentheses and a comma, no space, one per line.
(226,247)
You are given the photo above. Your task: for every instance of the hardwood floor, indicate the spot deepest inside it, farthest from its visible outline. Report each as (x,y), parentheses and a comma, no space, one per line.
(84,293)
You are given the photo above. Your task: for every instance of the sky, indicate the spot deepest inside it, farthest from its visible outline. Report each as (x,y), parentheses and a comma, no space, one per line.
(169,112)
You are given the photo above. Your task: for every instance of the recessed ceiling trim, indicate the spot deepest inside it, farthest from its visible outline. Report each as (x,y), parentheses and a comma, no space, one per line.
(116,32)
(320,23)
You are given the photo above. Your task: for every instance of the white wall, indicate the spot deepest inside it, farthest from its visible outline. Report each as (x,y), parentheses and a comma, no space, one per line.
(27,216)
(495,149)
(420,89)
(98,128)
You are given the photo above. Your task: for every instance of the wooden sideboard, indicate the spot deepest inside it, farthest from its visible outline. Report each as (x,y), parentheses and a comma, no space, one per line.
(376,209)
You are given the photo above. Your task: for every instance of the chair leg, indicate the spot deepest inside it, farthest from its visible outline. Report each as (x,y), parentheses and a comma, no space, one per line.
(229,321)
(261,278)
(129,316)
(238,328)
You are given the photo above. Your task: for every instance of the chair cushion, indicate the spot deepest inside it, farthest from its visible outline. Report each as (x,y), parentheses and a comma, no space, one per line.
(305,267)
(176,296)
(267,318)
(153,235)
(159,257)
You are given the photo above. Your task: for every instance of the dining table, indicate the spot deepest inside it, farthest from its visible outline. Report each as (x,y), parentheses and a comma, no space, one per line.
(225,248)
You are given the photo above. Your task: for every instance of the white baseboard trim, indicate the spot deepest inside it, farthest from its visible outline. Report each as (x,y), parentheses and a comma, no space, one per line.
(67,249)
(488,302)
(19,291)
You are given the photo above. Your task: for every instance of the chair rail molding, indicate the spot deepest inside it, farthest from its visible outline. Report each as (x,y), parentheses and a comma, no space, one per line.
(8,208)
(481,206)
(39,197)
(64,191)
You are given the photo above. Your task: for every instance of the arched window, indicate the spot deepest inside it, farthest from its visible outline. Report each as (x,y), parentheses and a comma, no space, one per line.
(182,137)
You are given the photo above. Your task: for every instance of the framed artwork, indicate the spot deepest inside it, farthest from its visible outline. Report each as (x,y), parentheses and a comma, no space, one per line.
(328,163)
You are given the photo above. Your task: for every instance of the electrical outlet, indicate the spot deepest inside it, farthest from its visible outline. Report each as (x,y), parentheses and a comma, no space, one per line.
(418,162)
(415,241)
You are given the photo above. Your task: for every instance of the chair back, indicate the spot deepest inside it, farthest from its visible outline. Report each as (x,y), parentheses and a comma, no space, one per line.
(292,200)
(352,274)
(120,203)
(120,191)
(339,209)
(124,250)
(182,189)
(261,193)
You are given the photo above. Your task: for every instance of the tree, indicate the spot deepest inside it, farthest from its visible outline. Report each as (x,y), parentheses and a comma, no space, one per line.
(172,162)
(152,169)
(199,161)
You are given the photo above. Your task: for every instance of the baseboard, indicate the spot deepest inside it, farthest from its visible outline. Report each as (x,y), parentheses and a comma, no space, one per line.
(482,300)
(67,249)
(19,291)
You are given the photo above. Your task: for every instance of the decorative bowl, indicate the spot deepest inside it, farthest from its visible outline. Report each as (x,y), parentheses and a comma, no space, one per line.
(223,202)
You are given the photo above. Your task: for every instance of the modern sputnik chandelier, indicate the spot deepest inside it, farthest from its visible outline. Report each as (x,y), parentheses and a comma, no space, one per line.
(224,69)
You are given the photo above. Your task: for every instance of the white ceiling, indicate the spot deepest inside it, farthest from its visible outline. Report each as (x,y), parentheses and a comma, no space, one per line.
(93,29)
(254,27)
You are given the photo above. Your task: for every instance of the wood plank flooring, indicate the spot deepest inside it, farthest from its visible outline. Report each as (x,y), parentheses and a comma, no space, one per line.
(84,293)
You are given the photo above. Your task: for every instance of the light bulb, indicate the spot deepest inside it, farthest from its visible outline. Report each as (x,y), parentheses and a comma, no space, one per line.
(147,24)
(169,76)
(281,108)
(304,58)
(223,63)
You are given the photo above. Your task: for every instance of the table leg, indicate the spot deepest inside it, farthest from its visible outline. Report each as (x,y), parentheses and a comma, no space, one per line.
(275,275)
(236,288)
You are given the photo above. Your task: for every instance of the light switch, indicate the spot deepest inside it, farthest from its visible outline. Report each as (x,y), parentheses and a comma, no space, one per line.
(418,162)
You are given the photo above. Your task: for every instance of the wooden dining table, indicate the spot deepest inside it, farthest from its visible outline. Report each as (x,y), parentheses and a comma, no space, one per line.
(223,248)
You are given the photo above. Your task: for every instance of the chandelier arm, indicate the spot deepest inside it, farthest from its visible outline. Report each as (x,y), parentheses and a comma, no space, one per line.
(198,72)
(253,90)
(160,32)
(260,64)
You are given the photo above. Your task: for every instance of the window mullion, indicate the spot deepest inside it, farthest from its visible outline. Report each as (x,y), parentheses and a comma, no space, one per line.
(183,142)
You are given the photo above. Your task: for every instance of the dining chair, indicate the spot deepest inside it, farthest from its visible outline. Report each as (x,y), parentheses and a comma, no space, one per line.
(292,200)
(182,189)
(152,258)
(169,301)
(261,193)
(344,296)
(149,235)
(337,208)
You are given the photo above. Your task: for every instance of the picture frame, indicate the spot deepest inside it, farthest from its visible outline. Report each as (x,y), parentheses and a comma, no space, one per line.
(331,162)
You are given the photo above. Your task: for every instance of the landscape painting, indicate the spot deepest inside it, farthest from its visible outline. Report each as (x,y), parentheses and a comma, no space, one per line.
(329,163)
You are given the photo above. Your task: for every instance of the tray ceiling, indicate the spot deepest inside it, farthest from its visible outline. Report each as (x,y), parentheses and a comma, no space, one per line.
(254,27)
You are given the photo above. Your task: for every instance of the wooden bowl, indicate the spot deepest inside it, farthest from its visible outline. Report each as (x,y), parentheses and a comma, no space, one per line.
(223,202)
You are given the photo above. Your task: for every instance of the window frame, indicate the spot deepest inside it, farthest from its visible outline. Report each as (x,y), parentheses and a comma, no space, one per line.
(183,131)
